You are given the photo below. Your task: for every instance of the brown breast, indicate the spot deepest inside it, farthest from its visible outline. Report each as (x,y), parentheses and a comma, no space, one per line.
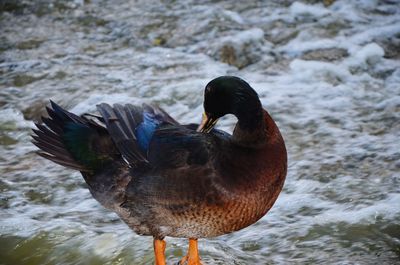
(252,179)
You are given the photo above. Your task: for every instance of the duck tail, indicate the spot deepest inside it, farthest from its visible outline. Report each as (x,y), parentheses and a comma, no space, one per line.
(67,140)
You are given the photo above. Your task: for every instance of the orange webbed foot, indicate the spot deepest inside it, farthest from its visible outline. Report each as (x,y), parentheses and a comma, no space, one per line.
(159,251)
(192,258)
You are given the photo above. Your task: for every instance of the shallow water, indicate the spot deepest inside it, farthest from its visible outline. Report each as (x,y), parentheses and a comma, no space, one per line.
(329,74)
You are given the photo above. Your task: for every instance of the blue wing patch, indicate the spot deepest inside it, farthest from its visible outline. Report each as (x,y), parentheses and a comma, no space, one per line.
(144,132)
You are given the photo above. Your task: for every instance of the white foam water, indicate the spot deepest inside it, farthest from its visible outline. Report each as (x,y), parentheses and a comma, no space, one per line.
(328,74)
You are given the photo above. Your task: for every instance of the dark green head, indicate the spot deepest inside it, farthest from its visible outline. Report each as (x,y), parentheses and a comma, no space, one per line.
(231,95)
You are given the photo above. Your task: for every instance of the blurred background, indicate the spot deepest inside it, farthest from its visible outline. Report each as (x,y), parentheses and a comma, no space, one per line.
(327,71)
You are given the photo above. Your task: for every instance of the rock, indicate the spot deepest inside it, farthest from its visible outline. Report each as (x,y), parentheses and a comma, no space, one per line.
(92,21)
(29,44)
(7,140)
(278,67)
(228,55)
(328,2)
(21,80)
(391,46)
(242,49)
(327,55)
(35,111)
(325,2)
(283,37)
(159,41)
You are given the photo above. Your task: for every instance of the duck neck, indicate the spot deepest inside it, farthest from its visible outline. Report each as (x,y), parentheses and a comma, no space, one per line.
(249,130)
(254,129)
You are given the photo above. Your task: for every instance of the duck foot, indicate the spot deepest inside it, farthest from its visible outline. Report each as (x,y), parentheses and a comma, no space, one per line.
(159,251)
(192,258)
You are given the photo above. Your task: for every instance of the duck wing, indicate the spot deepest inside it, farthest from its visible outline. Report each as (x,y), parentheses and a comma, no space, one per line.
(132,127)
(148,135)
(178,161)
(173,146)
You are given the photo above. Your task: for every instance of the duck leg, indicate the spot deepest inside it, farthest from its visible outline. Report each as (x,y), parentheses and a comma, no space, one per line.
(192,258)
(159,251)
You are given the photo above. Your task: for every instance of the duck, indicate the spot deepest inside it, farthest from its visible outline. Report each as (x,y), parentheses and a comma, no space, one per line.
(166,179)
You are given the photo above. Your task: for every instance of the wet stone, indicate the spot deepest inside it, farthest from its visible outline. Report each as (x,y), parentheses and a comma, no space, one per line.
(59,75)
(391,47)
(5,139)
(242,49)
(92,21)
(280,32)
(21,80)
(159,41)
(228,54)
(29,44)
(35,111)
(38,196)
(327,55)
(283,37)
(325,2)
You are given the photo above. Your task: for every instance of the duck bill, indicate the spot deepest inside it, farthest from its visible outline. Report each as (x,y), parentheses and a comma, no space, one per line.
(207,123)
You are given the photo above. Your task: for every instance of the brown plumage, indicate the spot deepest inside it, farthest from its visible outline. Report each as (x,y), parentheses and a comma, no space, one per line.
(166,179)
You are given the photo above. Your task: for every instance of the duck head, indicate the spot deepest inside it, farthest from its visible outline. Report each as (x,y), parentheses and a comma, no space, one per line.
(230,95)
